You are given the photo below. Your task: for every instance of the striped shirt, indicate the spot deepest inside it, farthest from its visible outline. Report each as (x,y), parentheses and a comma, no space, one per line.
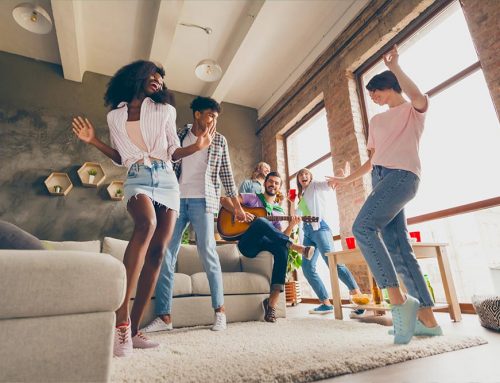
(157,124)
(218,169)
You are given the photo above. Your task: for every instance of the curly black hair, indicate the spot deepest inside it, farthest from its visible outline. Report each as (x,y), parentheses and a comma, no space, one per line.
(129,82)
(200,104)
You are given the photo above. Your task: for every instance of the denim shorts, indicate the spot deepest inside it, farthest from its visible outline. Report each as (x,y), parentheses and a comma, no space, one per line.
(157,182)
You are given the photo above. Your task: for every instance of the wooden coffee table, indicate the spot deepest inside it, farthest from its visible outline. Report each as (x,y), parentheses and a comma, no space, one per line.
(422,251)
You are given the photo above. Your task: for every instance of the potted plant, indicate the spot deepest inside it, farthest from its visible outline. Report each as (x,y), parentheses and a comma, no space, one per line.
(57,189)
(92,174)
(292,286)
(119,193)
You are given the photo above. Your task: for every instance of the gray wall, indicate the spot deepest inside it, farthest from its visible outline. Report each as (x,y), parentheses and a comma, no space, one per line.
(36,107)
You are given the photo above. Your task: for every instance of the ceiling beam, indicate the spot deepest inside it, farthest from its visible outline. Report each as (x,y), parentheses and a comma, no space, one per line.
(70,37)
(166,23)
(228,62)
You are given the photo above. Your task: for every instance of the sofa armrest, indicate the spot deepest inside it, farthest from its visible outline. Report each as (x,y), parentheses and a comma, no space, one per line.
(262,264)
(37,283)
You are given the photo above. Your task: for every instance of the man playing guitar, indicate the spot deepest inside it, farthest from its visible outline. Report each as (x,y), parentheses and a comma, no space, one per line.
(263,235)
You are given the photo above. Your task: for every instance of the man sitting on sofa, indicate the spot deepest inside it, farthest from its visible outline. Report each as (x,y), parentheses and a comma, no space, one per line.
(262,235)
(199,183)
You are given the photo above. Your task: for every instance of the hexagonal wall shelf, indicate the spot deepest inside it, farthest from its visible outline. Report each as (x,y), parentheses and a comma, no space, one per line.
(91,174)
(115,190)
(58,184)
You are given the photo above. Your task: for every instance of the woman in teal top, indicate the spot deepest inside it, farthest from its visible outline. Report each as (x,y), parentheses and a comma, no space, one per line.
(318,234)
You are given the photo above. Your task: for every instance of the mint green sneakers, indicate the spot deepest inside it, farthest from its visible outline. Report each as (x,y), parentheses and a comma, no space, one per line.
(404,318)
(422,330)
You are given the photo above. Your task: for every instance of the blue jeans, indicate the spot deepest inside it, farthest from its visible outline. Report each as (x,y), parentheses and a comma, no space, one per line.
(322,240)
(191,210)
(382,235)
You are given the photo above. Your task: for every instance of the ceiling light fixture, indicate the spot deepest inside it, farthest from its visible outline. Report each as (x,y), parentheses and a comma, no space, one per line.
(207,69)
(33,18)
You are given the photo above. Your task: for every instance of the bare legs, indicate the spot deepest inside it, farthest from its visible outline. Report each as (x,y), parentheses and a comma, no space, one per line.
(152,231)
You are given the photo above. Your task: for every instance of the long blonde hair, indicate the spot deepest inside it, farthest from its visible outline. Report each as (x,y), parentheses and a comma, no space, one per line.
(299,186)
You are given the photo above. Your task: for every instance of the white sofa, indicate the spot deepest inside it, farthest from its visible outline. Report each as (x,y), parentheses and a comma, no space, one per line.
(246,285)
(57,315)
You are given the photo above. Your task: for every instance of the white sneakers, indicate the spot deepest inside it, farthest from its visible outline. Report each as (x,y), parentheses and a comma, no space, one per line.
(220,322)
(157,325)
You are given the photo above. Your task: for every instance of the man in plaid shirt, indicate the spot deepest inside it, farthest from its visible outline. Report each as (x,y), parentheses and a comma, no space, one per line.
(200,177)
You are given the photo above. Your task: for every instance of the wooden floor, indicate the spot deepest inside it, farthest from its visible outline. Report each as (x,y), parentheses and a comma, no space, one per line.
(476,364)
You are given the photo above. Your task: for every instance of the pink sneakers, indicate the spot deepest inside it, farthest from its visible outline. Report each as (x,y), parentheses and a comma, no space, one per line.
(122,346)
(141,341)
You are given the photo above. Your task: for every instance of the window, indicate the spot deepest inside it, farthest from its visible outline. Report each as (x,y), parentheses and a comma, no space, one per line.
(458,148)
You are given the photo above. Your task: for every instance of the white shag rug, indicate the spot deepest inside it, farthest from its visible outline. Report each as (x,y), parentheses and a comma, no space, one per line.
(291,350)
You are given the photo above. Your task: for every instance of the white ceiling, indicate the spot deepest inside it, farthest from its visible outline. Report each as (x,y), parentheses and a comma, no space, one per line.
(263,46)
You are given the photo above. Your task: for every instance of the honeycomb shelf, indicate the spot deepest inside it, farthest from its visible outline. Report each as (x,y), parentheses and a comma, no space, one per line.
(58,184)
(86,177)
(113,188)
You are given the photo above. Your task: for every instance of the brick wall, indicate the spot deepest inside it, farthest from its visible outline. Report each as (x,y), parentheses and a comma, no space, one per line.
(330,78)
(482,18)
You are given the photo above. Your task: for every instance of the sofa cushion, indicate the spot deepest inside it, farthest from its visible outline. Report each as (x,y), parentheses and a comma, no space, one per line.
(13,237)
(234,284)
(114,247)
(46,283)
(262,264)
(188,260)
(182,285)
(91,246)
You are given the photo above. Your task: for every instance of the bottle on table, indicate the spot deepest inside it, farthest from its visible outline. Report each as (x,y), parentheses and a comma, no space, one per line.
(376,293)
(429,286)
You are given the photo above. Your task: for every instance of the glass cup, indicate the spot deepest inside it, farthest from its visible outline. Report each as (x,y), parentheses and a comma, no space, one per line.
(350,242)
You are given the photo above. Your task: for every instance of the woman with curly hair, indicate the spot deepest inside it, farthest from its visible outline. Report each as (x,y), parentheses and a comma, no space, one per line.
(144,140)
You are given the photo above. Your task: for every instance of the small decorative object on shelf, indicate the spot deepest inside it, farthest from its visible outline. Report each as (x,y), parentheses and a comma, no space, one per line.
(58,184)
(115,190)
(91,174)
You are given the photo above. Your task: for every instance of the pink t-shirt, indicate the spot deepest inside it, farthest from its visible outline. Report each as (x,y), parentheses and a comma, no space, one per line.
(395,136)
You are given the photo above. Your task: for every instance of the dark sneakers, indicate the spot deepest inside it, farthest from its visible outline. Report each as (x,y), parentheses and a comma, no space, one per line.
(269,312)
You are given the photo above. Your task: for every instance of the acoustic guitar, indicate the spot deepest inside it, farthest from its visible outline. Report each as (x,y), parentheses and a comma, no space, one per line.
(231,230)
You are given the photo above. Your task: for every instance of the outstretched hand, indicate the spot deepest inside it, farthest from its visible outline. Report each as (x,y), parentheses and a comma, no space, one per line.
(83,129)
(334,181)
(391,58)
(206,138)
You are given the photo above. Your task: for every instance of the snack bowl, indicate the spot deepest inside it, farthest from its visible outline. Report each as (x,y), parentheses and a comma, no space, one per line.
(361,299)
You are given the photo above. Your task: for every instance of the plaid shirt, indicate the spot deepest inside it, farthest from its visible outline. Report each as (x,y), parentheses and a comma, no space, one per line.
(218,169)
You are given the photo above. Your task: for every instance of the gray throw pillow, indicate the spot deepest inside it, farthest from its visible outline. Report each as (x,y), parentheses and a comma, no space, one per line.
(12,237)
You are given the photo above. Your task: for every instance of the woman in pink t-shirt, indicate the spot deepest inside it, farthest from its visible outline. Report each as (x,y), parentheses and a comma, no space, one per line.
(380,227)
(143,139)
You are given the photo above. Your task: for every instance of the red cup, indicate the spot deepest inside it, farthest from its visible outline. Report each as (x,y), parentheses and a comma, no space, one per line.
(292,194)
(416,235)
(351,242)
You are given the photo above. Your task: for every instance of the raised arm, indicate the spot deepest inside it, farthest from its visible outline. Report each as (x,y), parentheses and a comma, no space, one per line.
(85,131)
(417,98)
